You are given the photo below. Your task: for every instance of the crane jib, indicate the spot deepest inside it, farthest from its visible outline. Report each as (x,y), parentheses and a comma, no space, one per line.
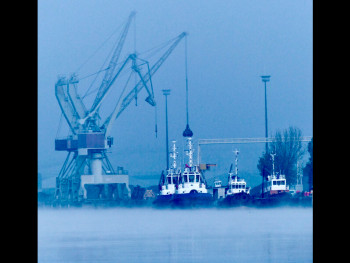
(153,70)
(113,62)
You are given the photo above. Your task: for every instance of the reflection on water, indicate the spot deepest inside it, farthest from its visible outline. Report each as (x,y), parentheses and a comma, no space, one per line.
(150,235)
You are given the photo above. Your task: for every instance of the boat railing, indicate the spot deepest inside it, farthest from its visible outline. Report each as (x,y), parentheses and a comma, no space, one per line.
(235,182)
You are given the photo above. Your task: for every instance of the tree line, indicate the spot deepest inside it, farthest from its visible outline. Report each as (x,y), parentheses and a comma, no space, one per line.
(289,150)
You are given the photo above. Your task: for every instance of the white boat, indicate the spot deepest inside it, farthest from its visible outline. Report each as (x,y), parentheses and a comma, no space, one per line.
(276,183)
(236,185)
(168,186)
(192,186)
(237,193)
(191,180)
(169,182)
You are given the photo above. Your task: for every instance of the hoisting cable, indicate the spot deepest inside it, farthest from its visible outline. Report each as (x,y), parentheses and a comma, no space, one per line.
(96,73)
(124,88)
(187,132)
(109,55)
(92,91)
(157,48)
(127,82)
(150,80)
(155,113)
(186,78)
(135,81)
(99,47)
(93,74)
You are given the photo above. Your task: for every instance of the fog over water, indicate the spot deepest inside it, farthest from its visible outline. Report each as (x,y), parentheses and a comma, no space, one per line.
(151,235)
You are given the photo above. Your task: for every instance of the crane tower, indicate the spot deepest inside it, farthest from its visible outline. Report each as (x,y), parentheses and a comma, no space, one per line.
(87,174)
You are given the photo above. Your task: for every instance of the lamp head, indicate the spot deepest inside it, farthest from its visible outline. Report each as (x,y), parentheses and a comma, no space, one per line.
(265,78)
(166,92)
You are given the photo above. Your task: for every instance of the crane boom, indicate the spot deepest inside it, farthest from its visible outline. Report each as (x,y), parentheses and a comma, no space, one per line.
(120,107)
(74,98)
(113,62)
(83,174)
(128,98)
(95,108)
(150,99)
(67,108)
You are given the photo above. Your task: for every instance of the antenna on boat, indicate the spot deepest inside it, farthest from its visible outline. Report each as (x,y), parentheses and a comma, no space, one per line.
(187,132)
(189,152)
(173,155)
(273,163)
(236,161)
(230,172)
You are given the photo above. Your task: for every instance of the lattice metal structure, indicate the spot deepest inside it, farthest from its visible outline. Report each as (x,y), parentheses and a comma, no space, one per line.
(87,173)
(240,141)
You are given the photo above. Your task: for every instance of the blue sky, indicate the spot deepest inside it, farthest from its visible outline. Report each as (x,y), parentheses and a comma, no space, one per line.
(230,45)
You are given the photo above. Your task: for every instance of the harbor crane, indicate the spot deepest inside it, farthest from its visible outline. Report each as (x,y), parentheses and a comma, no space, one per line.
(87,174)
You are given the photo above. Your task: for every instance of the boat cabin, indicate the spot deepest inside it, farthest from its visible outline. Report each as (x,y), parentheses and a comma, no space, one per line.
(237,185)
(191,181)
(276,184)
(170,182)
(172,178)
(217,183)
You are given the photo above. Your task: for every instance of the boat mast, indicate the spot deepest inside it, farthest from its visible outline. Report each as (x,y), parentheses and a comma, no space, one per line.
(236,161)
(190,151)
(173,155)
(273,163)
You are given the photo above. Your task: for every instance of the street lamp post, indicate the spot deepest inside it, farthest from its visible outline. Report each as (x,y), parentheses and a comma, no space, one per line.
(166,92)
(265,79)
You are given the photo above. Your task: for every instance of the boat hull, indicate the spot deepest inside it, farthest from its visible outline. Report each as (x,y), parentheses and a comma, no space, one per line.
(240,199)
(283,199)
(192,200)
(163,200)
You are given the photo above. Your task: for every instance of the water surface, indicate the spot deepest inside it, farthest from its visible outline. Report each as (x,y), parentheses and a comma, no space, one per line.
(151,235)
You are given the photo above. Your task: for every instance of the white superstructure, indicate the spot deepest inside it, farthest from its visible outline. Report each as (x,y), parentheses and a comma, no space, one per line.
(235,184)
(191,180)
(276,183)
